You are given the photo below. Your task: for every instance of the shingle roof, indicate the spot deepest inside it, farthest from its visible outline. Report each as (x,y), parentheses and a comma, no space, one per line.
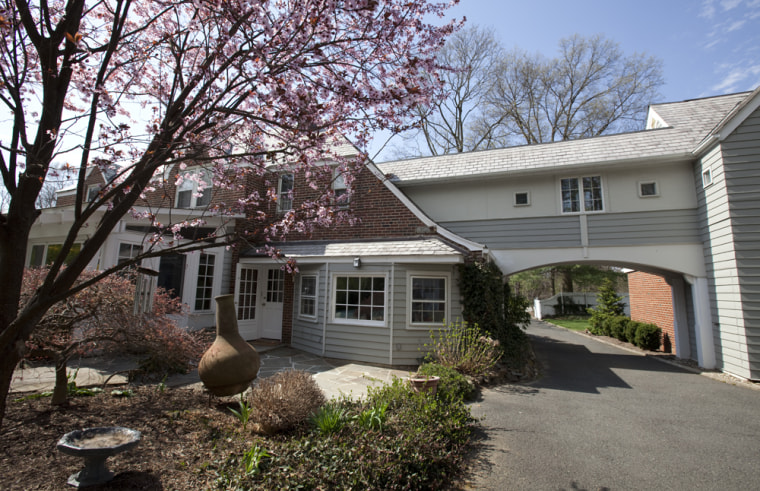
(396,248)
(689,122)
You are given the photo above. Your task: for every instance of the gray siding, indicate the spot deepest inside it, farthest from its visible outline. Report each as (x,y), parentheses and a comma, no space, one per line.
(521,233)
(369,344)
(720,263)
(604,229)
(741,163)
(640,228)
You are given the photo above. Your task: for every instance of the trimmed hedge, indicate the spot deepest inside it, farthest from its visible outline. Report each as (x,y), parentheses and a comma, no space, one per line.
(640,334)
(648,337)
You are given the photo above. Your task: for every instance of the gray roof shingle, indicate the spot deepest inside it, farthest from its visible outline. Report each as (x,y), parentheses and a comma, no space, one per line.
(689,122)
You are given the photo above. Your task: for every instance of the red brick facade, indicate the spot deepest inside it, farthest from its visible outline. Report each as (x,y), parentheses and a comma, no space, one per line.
(651,301)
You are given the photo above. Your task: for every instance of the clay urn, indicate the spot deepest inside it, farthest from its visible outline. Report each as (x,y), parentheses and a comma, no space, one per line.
(230,365)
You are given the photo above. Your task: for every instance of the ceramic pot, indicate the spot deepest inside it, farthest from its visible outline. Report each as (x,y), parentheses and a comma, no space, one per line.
(230,365)
(421,383)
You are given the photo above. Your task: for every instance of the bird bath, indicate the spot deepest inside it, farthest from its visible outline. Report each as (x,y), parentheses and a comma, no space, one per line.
(95,445)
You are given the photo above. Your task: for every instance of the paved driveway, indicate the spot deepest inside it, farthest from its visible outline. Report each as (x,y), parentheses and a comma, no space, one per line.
(604,418)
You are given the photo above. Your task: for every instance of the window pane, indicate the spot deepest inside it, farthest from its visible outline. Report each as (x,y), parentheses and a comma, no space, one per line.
(358,298)
(428,300)
(204,286)
(183,199)
(37,254)
(570,196)
(592,193)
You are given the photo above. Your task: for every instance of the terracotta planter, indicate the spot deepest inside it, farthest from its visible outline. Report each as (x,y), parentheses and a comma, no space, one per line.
(424,384)
(230,365)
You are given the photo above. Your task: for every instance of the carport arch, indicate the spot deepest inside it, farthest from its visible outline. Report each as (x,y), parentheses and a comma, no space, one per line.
(681,265)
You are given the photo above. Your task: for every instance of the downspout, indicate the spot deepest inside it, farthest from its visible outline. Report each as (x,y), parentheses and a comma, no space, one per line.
(390,314)
(327,307)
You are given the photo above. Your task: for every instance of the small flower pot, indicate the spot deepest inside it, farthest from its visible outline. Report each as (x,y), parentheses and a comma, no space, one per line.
(424,384)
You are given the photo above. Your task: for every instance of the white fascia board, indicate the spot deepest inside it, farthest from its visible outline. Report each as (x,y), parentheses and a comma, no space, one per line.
(366,260)
(468,244)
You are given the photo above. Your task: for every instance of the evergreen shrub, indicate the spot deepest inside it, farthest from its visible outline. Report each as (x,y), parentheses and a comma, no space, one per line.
(648,337)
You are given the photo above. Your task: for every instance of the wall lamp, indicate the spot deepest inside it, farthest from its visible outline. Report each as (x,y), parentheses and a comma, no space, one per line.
(357,262)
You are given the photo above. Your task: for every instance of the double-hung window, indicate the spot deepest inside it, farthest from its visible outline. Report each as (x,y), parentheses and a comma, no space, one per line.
(340,189)
(285,192)
(581,194)
(128,251)
(205,283)
(195,190)
(359,299)
(428,299)
(308,297)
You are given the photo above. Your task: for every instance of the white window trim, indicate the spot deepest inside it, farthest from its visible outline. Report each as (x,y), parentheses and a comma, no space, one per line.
(582,201)
(357,322)
(190,280)
(656,189)
(339,184)
(425,326)
(514,200)
(280,207)
(314,317)
(124,242)
(707,177)
(194,197)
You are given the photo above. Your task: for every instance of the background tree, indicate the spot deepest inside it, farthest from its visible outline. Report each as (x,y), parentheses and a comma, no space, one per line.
(132,87)
(455,123)
(102,318)
(494,98)
(591,88)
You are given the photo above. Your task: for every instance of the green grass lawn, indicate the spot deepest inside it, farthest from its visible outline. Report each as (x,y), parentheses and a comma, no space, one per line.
(572,323)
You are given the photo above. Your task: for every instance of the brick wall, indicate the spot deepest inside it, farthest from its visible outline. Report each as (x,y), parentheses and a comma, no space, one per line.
(651,301)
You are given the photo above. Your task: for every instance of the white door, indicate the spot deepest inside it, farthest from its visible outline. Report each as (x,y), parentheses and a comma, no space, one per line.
(271,305)
(246,296)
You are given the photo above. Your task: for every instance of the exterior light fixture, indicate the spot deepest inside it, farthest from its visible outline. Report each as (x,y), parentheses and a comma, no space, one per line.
(357,262)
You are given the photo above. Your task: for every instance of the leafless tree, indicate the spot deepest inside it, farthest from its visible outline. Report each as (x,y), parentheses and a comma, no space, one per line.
(455,124)
(591,88)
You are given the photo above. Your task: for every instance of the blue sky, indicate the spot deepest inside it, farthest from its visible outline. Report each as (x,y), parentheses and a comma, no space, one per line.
(708,47)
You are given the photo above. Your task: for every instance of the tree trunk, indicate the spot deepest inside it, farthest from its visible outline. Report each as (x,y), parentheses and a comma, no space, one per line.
(567,280)
(61,389)
(8,361)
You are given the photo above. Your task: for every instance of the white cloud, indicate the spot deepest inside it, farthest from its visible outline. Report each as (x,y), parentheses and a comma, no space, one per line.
(736,25)
(708,9)
(737,79)
(730,4)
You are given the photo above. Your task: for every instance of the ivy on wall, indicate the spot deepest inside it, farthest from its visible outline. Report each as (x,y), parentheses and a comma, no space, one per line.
(488,303)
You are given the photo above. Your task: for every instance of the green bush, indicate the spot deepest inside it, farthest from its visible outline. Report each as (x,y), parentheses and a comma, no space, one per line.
(464,348)
(648,337)
(630,331)
(599,324)
(422,444)
(452,383)
(618,325)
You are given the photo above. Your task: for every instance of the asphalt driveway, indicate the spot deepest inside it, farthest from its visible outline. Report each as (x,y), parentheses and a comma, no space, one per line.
(604,418)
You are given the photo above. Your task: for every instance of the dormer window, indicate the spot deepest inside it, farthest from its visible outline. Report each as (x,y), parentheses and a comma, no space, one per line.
(191,193)
(285,192)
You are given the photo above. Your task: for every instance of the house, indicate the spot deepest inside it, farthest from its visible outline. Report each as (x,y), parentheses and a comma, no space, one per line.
(678,200)
(368,291)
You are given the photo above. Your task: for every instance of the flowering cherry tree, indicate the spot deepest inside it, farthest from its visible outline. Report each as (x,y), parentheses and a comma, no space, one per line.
(136,88)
